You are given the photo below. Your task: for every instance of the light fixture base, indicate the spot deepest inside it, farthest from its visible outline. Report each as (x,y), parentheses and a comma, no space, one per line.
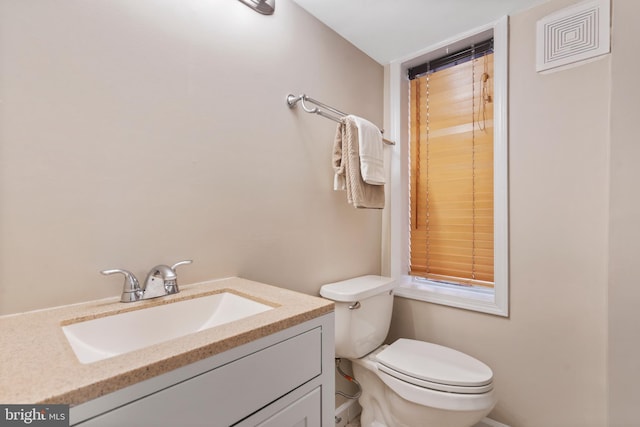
(265,7)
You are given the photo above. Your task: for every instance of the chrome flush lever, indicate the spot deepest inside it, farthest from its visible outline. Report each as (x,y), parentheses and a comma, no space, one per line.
(355,305)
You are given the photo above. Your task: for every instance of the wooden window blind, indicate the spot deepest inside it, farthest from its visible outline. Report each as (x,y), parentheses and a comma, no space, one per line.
(451,114)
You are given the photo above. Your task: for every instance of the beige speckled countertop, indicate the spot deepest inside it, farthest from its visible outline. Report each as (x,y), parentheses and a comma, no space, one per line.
(37,364)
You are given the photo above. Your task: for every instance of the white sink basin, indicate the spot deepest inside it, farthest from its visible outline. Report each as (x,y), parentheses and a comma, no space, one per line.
(105,337)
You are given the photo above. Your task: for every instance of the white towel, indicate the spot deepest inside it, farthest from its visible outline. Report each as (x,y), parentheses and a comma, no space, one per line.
(371,150)
(346,164)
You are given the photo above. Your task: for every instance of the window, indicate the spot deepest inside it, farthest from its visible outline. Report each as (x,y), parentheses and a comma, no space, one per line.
(449,218)
(451,155)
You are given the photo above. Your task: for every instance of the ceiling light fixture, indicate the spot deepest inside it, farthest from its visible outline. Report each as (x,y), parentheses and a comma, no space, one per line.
(265,7)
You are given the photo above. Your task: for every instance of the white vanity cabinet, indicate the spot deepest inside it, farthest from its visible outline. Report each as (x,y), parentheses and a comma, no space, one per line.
(285,379)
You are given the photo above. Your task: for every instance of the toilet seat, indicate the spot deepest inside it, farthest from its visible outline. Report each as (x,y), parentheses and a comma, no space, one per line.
(434,367)
(438,399)
(436,386)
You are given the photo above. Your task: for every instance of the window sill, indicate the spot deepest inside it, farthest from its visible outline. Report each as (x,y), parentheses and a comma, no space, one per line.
(471,298)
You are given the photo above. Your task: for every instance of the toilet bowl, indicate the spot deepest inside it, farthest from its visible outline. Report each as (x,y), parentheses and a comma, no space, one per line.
(409,383)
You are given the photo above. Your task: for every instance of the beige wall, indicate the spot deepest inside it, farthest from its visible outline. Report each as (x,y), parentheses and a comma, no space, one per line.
(150,131)
(136,133)
(549,357)
(624,293)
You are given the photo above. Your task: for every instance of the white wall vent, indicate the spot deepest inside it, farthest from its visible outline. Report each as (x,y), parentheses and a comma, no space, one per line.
(573,34)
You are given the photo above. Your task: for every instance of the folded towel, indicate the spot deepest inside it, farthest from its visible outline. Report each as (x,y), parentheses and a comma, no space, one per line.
(339,182)
(346,165)
(371,152)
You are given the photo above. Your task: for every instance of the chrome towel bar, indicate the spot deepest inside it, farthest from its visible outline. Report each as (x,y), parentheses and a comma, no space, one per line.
(324,110)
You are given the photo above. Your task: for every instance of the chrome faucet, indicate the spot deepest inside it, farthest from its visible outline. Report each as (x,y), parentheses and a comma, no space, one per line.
(131,290)
(161,280)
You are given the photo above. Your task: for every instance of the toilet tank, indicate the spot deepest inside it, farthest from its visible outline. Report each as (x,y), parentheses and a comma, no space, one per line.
(363,307)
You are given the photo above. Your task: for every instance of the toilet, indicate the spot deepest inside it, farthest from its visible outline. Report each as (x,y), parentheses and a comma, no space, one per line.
(409,383)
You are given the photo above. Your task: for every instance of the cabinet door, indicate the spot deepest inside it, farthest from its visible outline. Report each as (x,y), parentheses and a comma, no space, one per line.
(305,412)
(221,397)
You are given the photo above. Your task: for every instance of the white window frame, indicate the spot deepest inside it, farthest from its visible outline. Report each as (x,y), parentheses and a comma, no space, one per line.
(494,301)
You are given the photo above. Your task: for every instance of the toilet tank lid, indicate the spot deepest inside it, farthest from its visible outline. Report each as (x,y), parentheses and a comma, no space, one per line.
(358,288)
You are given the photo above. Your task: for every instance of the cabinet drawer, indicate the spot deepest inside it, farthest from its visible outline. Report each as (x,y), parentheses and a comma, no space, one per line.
(229,393)
(303,412)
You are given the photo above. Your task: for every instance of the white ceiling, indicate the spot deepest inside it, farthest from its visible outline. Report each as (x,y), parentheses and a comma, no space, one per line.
(393,29)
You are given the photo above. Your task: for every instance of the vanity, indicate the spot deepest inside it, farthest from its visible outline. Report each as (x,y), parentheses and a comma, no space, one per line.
(272,367)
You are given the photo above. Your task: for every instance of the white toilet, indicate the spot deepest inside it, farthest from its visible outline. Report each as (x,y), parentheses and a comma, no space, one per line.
(409,383)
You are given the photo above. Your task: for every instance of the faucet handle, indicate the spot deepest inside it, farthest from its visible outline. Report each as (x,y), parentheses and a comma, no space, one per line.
(172,285)
(131,289)
(178,264)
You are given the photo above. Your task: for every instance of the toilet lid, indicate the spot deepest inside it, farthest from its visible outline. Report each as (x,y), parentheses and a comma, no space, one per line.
(428,363)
